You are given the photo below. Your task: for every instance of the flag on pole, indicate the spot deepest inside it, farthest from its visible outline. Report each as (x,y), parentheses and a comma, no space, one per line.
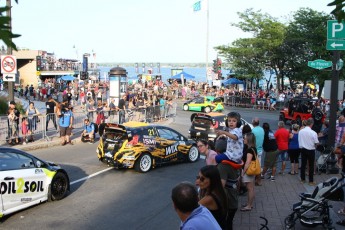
(197,6)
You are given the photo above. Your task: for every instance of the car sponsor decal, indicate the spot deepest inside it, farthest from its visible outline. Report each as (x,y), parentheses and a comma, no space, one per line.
(20,186)
(38,171)
(26,199)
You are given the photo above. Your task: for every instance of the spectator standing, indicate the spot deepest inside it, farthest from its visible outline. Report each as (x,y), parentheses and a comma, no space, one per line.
(212,194)
(340,130)
(204,149)
(294,150)
(249,140)
(282,138)
(122,107)
(90,109)
(271,152)
(193,216)
(65,123)
(259,137)
(32,114)
(50,111)
(16,119)
(307,140)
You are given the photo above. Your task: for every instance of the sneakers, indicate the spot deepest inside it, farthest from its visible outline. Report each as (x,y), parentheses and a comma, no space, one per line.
(272,178)
(302,181)
(312,183)
(262,176)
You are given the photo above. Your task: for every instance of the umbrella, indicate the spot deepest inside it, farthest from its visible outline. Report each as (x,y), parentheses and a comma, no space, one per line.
(67,78)
(231,81)
(185,76)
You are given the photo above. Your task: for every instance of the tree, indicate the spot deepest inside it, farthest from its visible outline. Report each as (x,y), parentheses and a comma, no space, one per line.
(338,12)
(6,34)
(252,55)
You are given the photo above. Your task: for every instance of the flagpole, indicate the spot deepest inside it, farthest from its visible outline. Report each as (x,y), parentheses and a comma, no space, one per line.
(207,35)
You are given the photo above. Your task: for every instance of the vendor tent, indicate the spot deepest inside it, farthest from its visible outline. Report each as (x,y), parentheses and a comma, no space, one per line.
(66,78)
(184,74)
(231,81)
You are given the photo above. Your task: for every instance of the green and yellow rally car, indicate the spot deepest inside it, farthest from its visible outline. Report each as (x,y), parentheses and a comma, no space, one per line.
(26,181)
(204,104)
(143,146)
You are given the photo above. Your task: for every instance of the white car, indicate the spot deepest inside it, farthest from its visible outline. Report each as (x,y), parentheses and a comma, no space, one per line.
(26,180)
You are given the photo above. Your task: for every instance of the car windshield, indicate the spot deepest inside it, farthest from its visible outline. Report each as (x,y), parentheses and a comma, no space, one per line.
(202,121)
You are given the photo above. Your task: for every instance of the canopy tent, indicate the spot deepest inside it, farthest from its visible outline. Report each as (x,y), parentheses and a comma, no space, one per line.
(232,81)
(185,76)
(66,78)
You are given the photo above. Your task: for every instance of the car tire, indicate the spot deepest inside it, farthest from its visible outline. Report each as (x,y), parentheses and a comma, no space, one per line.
(207,109)
(144,163)
(185,107)
(318,116)
(59,186)
(193,154)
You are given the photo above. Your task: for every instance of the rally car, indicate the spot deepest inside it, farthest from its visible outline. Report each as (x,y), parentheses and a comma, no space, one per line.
(143,146)
(204,126)
(204,104)
(26,181)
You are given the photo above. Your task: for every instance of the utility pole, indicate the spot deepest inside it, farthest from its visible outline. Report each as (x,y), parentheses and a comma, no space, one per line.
(9,51)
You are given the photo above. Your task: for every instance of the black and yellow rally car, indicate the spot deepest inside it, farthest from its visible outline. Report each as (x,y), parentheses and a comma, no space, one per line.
(143,146)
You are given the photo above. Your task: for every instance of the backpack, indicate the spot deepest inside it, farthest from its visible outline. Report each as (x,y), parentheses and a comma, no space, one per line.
(95,126)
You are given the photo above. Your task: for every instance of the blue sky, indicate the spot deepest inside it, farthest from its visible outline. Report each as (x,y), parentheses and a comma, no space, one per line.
(137,30)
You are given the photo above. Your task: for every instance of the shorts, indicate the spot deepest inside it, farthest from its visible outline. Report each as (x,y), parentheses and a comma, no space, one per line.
(247,179)
(270,159)
(283,155)
(65,131)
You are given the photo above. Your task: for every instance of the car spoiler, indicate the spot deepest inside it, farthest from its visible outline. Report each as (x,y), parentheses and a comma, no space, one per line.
(114,126)
(199,114)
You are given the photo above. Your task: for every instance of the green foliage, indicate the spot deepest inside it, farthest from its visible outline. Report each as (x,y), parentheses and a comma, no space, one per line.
(6,34)
(338,12)
(4,106)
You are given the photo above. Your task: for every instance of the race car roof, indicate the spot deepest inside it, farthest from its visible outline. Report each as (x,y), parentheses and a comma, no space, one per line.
(133,124)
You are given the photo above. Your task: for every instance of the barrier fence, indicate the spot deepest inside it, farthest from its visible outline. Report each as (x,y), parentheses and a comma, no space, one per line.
(255,103)
(47,126)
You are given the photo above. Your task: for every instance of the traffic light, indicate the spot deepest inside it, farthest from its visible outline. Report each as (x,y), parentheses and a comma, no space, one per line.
(38,63)
(219,68)
(84,75)
(215,66)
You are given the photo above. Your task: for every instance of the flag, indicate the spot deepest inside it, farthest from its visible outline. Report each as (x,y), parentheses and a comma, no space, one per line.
(197,6)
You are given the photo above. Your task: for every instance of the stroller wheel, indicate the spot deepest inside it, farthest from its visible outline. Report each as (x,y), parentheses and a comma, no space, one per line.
(289,222)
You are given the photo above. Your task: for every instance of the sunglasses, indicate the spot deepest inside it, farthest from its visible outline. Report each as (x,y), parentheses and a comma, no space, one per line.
(200,178)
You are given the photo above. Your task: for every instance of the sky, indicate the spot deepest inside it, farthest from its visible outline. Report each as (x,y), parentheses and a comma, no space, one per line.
(166,31)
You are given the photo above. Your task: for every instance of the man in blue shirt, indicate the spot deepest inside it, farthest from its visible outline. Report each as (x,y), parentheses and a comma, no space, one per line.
(65,122)
(89,132)
(193,216)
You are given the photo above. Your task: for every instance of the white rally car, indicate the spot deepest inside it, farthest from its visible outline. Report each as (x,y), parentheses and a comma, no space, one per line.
(26,180)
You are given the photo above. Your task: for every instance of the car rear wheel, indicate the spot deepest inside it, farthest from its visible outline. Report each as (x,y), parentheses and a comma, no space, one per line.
(193,154)
(207,109)
(59,186)
(185,107)
(318,116)
(144,163)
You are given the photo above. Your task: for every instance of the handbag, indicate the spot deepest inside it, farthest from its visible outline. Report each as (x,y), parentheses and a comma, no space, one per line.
(254,167)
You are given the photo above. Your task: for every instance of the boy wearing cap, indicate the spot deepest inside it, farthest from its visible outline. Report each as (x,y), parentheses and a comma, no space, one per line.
(16,112)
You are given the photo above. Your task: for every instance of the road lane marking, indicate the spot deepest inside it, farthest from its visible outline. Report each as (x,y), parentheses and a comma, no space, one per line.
(90,176)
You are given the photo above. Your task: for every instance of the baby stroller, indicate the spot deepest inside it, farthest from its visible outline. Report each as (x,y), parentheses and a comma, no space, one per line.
(327,161)
(313,209)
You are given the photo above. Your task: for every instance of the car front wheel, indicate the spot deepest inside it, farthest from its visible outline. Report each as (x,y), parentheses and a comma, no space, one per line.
(193,154)
(59,186)
(144,163)
(185,107)
(207,109)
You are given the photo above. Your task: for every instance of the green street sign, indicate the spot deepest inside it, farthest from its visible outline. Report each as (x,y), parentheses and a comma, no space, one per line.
(335,45)
(319,64)
(335,30)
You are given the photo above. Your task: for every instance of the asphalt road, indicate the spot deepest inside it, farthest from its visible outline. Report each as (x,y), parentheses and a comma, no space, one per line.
(104,198)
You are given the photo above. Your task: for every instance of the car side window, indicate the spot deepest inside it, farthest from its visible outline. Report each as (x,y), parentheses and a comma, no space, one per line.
(168,134)
(14,161)
(199,100)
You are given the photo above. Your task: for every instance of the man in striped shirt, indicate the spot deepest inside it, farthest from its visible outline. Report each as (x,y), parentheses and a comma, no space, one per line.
(340,130)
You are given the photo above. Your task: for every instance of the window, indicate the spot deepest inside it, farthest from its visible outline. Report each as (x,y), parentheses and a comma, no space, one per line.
(14,160)
(168,134)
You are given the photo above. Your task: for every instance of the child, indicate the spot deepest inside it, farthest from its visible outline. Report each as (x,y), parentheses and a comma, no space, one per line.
(25,130)
(12,121)
(234,147)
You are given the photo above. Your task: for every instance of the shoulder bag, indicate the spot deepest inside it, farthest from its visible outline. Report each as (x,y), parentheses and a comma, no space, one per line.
(254,167)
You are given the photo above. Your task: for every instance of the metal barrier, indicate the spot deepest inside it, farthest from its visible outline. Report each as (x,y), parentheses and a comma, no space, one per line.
(248,102)
(47,126)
